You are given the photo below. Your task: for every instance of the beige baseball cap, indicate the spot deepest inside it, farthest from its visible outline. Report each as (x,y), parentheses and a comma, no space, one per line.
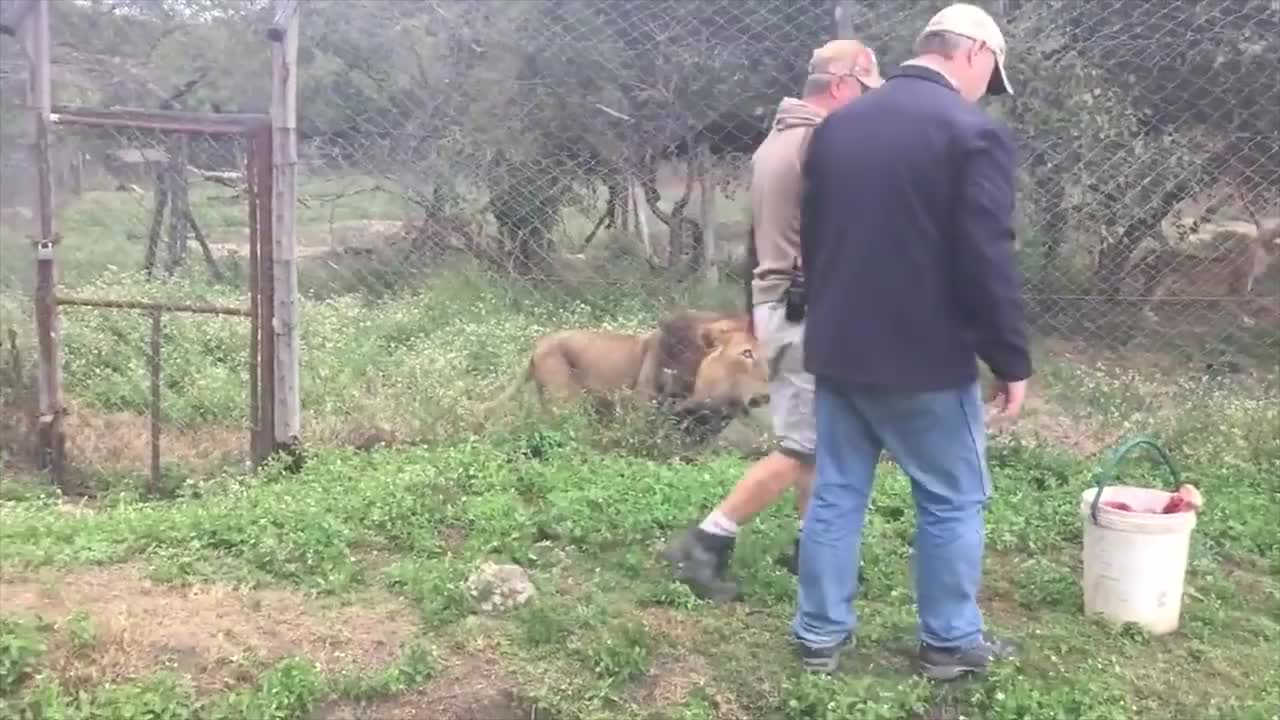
(975,23)
(847,57)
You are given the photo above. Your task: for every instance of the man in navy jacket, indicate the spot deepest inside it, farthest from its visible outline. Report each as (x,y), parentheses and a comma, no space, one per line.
(908,248)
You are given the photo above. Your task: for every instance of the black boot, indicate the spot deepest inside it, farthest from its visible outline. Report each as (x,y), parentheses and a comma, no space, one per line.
(701,561)
(792,563)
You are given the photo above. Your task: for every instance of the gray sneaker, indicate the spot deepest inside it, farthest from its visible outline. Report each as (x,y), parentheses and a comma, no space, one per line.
(700,560)
(822,659)
(948,664)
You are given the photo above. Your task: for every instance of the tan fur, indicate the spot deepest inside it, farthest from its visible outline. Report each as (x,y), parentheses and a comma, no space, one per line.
(684,340)
(566,364)
(1230,273)
(603,365)
(733,375)
(731,380)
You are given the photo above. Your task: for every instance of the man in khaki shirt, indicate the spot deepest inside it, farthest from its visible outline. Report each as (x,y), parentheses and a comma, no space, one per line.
(839,72)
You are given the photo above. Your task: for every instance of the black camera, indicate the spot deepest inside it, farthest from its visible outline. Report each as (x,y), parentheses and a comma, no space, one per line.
(795,297)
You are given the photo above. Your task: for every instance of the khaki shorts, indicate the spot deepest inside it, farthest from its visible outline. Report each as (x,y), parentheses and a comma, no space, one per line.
(790,387)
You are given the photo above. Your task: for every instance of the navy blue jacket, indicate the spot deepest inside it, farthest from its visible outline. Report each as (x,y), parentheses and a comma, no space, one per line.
(907,241)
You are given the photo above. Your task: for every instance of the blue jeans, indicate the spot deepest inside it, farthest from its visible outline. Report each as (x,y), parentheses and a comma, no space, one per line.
(938,438)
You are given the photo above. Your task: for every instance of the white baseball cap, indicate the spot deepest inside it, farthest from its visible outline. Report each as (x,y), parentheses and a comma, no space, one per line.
(975,23)
(847,57)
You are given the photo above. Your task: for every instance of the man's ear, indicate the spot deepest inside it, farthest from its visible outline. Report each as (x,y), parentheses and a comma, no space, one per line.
(975,49)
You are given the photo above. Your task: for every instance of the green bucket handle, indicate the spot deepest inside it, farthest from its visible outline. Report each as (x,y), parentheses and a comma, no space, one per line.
(1107,474)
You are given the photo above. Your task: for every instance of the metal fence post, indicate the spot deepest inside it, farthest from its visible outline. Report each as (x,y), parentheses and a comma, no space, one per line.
(50,435)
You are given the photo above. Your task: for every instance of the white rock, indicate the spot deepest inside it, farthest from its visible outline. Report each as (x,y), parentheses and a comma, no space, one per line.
(495,588)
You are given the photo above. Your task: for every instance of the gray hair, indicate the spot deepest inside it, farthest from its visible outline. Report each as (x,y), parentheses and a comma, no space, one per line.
(818,84)
(942,43)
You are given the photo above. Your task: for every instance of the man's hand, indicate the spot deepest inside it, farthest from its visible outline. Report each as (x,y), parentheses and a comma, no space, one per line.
(1006,403)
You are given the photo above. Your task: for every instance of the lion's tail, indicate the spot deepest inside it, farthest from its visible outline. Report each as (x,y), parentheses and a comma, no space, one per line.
(510,392)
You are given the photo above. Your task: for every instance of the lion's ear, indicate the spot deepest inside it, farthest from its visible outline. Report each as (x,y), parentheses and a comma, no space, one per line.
(718,333)
(710,336)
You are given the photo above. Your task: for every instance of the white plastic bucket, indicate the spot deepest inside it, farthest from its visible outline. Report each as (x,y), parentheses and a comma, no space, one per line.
(1135,563)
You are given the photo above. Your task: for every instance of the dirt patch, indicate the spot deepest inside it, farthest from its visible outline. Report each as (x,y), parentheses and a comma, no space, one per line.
(316,238)
(122,441)
(1084,354)
(472,689)
(235,250)
(217,635)
(671,680)
(1253,582)
(1041,422)
(676,674)
(366,435)
(676,626)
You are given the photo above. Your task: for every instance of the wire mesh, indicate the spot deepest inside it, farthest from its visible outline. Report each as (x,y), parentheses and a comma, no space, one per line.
(158,218)
(516,168)
(473,175)
(142,217)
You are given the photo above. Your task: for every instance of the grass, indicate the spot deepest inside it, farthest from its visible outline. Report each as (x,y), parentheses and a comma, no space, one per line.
(337,591)
(609,634)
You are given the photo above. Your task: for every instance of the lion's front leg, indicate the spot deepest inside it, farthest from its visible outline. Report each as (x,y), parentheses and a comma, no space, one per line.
(647,383)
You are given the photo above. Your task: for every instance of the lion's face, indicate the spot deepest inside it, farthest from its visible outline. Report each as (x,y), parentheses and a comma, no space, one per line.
(733,375)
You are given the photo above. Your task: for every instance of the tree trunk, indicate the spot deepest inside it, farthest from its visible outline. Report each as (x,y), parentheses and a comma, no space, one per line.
(179,203)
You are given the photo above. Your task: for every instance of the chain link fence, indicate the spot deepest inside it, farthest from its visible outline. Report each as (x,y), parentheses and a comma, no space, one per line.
(153,224)
(513,168)
(473,175)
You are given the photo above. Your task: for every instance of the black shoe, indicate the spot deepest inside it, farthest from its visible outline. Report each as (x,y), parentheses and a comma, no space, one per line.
(822,659)
(701,561)
(792,563)
(948,664)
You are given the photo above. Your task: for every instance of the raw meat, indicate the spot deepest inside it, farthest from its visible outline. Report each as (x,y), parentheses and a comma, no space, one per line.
(1187,499)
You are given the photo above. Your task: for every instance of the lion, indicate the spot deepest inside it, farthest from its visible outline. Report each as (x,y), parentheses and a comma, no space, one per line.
(709,367)
(731,381)
(1241,258)
(684,340)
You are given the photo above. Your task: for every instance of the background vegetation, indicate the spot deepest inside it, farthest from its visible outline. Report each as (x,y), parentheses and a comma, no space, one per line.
(475,174)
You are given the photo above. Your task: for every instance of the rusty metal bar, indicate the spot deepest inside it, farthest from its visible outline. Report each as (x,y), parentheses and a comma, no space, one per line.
(51,438)
(256,450)
(198,309)
(164,120)
(155,400)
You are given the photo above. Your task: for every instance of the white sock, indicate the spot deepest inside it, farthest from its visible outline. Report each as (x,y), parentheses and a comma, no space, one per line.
(717,523)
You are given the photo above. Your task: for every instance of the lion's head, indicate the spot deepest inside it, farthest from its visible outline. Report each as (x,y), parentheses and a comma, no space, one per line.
(731,379)
(732,376)
(684,341)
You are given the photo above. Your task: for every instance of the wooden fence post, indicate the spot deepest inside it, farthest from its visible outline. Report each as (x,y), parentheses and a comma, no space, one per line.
(284,161)
(50,438)
(844,20)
